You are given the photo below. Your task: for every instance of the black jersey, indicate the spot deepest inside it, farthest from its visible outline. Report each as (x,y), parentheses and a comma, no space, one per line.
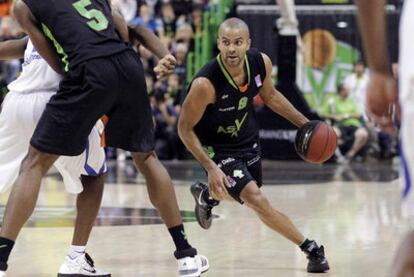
(79,29)
(229,124)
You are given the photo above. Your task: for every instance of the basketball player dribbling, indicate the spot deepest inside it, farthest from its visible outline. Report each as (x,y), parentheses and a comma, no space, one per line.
(102,76)
(383,99)
(217,124)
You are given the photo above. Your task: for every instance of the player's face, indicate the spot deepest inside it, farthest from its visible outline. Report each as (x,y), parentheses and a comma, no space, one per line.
(233,44)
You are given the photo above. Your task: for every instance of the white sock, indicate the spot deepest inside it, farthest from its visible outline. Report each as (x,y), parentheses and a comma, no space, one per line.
(76,250)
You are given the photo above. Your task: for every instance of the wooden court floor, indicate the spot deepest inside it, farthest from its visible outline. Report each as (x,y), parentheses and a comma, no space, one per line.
(354,210)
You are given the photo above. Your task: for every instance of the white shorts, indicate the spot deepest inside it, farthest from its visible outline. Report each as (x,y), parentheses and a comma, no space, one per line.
(406,90)
(18,119)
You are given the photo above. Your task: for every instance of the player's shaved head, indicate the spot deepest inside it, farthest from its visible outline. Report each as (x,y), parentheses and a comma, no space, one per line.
(233,41)
(234,23)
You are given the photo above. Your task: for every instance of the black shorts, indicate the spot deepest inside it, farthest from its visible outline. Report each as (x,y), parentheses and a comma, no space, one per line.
(111,86)
(240,169)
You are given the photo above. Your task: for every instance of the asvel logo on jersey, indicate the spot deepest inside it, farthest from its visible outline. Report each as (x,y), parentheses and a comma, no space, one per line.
(233,129)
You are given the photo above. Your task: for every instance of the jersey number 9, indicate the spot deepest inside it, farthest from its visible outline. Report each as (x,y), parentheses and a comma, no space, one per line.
(98,21)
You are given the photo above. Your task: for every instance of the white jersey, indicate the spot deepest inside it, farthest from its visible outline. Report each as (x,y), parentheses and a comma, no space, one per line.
(36,75)
(21,111)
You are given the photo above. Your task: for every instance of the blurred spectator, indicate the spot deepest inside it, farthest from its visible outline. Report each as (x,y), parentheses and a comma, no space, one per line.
(185,35)
(196,19)
(166,136)
(145,18)
(379,143)
(181,51)
(128,8)
(167,23)
(357,85)
(174,91)
(344,112)
(182,7)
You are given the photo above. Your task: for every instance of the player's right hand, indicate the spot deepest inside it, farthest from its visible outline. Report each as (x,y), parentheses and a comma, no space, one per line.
(382,94)
(217,182)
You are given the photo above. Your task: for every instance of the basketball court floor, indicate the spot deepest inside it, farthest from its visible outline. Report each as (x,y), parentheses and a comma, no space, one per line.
(354,210)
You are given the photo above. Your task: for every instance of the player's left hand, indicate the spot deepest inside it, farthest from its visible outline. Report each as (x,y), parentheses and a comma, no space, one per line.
(165,66)
(382,99)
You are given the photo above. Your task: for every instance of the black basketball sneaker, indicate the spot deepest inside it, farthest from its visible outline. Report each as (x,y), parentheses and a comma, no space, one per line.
(316,256)
(203,205)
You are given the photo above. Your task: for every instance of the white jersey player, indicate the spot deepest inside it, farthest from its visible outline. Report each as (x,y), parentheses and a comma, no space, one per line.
(21,110)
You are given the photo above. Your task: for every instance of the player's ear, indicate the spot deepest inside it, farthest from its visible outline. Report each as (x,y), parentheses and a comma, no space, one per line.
(218,44)
(249,42)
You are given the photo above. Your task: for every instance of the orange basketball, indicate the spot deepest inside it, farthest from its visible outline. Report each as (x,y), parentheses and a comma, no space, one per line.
(315,142)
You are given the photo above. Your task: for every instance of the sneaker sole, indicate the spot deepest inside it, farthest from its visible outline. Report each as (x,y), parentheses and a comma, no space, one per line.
(81,275)
(197,206)
(319,270)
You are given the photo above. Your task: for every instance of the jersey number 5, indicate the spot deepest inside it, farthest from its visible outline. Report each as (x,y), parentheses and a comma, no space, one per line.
(98,21)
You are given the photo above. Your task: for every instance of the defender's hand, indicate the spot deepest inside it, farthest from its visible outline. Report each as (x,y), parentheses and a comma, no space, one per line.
(165,66)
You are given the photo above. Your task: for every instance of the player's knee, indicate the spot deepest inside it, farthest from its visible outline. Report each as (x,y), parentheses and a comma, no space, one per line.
(140,158)
(361,134)
(92,183)
(36,160)
(257,201)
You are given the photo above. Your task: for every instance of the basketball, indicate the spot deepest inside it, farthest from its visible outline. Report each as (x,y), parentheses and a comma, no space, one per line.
(315,142)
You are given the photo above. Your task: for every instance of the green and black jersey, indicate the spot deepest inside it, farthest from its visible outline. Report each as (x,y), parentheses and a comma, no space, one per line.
(229,125)
(79,29)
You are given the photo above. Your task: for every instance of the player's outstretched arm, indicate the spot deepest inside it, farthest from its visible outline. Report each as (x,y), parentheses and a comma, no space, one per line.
(30,25)
(276,101)
(201,94)
(371,17)
(13,49)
